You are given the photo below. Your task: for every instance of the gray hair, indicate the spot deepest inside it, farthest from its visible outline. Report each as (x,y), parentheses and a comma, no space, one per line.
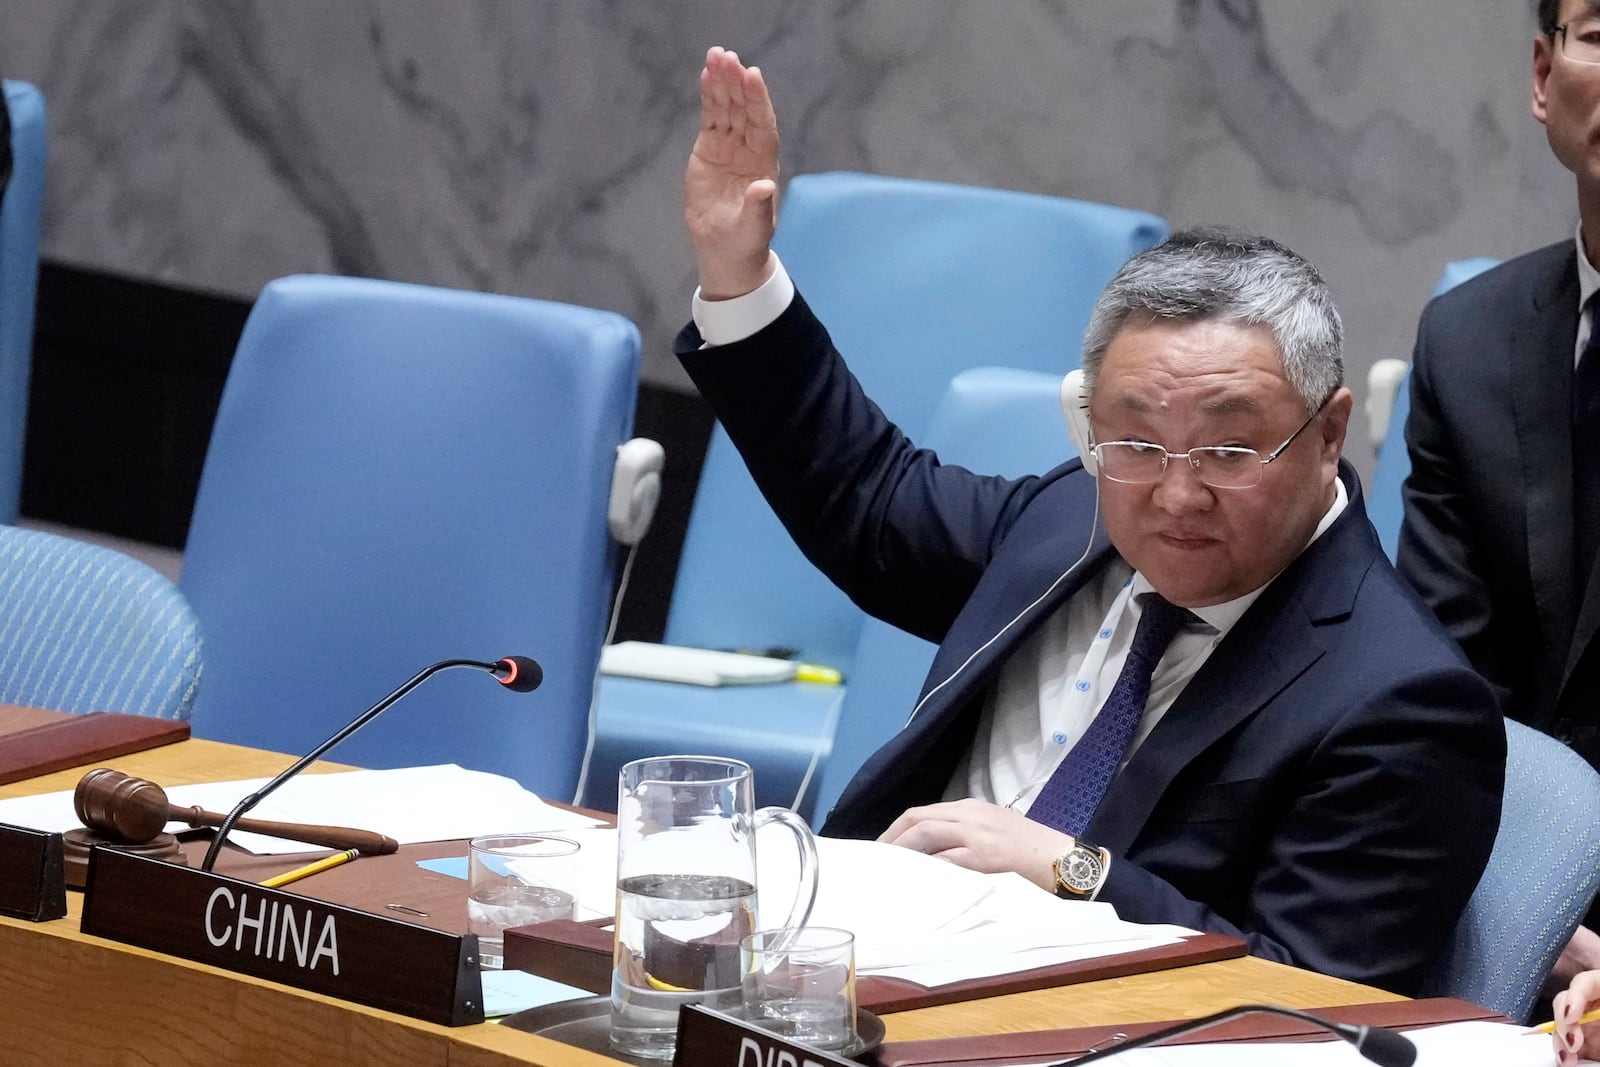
(1204,275)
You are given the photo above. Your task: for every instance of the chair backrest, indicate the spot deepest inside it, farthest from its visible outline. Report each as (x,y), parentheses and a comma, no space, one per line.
(1384,504)
(20,212)
(916,281)
(1541,878)
(400,475)
(84,628)
(992,420)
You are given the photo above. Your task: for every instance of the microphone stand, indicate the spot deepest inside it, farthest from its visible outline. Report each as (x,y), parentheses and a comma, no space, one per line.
(1383,1047)
(305,761)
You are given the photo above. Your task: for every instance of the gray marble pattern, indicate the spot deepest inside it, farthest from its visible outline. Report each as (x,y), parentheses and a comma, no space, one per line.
(537,146)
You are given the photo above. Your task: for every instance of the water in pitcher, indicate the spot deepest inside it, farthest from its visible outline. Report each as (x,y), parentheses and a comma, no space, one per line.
(677,943)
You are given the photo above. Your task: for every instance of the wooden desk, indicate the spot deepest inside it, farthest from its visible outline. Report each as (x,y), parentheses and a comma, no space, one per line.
(67,998)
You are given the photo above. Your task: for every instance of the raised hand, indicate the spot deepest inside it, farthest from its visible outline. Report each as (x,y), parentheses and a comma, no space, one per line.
(730,190)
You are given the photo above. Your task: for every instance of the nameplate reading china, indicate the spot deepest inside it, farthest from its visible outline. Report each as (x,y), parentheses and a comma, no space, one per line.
(709,1038)
(32,879)
(284,937)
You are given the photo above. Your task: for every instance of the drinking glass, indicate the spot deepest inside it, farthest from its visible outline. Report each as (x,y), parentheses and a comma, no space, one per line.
(801,984)
(514,880)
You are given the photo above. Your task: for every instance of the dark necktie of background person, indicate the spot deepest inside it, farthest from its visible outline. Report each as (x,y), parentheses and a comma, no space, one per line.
(1069,799)
(1586,451)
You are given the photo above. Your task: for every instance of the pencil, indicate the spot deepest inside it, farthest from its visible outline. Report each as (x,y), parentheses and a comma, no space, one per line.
(311,868)
(1550,1027)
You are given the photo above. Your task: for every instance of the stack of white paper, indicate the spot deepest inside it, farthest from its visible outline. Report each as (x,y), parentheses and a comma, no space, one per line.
(411,805)
(913,916)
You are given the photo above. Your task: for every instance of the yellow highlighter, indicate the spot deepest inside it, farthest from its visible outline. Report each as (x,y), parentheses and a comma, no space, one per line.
(815,672)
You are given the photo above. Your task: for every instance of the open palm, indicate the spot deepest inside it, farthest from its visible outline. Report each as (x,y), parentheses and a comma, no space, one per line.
(731,184)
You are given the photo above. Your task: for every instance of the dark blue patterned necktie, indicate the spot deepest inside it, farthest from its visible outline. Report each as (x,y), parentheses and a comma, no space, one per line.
(1586,451)
(1069,799)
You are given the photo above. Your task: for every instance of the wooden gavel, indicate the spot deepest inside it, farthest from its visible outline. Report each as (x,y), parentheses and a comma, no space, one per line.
(135,810)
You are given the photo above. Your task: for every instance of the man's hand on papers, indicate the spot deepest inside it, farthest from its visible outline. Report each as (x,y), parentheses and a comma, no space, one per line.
(982,837)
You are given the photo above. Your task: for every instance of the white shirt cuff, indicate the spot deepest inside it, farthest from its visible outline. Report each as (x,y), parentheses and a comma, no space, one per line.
(722,322)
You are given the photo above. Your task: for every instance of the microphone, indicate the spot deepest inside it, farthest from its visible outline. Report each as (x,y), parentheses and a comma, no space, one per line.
(1386,1048)
(517,673)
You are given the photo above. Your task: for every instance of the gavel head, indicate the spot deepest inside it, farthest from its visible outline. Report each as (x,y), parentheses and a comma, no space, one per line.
(121,806)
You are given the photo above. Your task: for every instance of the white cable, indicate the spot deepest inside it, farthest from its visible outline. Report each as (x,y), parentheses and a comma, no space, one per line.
(1037,600)
(594,686)
(829,728)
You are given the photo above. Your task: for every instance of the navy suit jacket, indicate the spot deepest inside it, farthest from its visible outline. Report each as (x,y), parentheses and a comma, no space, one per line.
(1327,786)
(1488,533)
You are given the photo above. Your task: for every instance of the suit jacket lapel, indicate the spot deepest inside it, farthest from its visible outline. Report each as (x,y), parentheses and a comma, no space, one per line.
(1272,645)
(1539,347)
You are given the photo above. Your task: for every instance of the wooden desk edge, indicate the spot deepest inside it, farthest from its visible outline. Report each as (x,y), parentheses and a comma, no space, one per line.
(60,986)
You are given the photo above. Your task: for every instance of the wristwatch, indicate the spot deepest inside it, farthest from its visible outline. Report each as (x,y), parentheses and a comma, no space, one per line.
(1081,870)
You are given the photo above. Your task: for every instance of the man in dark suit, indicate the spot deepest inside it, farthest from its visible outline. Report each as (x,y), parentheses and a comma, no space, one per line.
(1191,686)
(1502,506)
(5,148)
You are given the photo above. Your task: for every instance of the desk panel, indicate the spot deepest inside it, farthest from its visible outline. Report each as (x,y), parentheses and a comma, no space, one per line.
(68,998)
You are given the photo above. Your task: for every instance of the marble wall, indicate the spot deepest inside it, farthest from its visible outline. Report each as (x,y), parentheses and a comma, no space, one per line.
(537,146)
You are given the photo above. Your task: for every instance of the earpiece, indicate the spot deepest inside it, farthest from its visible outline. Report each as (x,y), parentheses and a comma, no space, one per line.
(635,489)
(1075,406)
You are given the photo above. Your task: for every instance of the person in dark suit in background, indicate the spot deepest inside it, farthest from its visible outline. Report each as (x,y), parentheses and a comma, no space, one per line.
(1502,505)
(5,148)
(1191,686)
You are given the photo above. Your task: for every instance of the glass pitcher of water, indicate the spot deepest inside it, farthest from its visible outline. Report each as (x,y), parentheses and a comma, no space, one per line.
(686,892)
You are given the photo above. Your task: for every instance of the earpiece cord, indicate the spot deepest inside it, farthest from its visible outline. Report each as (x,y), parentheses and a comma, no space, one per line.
(1093,526)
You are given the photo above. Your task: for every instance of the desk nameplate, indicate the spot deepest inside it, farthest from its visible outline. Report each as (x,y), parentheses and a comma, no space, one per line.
(284,937)
(32,876)
(709,1038)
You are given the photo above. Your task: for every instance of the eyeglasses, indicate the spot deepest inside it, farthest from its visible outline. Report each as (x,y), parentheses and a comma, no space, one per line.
(1218,466)
(1580,40)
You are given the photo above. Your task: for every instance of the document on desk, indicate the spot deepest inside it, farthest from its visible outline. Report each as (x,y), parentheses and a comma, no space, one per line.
(1468,1044)
(916,917)
(409,804)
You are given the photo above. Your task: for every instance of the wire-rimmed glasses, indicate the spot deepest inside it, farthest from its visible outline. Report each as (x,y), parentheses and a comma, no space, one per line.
(1580,39)
(1218,466)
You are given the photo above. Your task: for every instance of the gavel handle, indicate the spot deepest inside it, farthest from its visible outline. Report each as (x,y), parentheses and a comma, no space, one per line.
(363,841)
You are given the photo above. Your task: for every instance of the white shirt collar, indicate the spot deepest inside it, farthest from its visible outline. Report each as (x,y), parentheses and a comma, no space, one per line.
(1588,275)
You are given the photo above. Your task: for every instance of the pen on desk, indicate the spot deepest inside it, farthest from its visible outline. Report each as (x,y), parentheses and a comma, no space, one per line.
(311,868)
(1550,1027)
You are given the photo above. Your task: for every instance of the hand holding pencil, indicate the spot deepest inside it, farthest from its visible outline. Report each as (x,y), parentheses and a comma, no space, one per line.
(1576,1025)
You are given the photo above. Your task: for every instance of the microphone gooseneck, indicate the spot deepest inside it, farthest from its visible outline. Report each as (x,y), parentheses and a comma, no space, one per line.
(1386,1048)
(518,673)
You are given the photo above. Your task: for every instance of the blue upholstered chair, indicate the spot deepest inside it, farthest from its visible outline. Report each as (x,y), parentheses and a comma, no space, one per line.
(19,275)
(1541,878)
(916,281)
(1388,404)
(84,628)
(400,475)
(992,420)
